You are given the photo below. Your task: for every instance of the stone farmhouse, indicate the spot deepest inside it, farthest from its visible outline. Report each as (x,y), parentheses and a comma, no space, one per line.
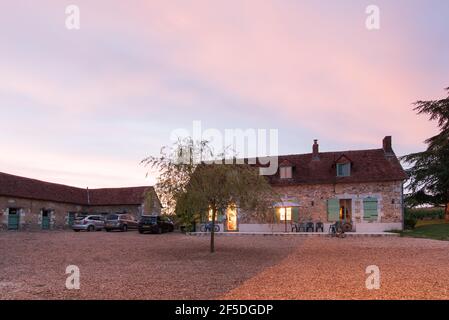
(364,187)
(29,204)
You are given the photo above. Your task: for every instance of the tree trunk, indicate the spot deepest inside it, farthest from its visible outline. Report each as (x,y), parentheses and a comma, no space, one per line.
(212,232)
(446,212)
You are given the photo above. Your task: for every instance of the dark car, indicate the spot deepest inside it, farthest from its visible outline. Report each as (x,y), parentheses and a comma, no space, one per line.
(120,221)
(155,224)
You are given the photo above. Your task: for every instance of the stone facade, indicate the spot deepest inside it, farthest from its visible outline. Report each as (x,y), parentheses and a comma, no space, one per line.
(31,215)
(312,202)
(312,199)
(30,212)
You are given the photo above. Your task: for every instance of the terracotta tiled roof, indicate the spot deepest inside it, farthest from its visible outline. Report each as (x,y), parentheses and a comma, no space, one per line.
(20,187)
(366,166)
(117,196)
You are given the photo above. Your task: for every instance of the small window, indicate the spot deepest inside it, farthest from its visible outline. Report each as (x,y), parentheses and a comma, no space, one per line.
(285,172)
(343,169)
(285,214)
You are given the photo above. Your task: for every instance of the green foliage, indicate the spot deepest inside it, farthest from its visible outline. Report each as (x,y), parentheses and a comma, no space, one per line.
(429,171)
(175,166)
(410,223)
(424,213)
(194,180)
(438,231)
(216,186)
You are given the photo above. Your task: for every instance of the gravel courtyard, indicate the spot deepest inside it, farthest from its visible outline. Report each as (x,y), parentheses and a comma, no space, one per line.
(174,266)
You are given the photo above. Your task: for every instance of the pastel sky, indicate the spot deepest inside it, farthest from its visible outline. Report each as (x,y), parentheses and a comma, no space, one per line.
(84,107)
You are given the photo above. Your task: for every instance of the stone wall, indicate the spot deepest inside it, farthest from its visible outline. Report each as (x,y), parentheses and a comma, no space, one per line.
(313,198)
(30,213)
(31,218)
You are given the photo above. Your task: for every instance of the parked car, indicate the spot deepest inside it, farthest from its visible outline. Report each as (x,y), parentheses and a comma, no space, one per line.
(88,223)
(155,224)
(120,221)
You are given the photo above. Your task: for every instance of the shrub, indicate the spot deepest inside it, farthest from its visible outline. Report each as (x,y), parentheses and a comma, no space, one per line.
(410,223)
(424,213)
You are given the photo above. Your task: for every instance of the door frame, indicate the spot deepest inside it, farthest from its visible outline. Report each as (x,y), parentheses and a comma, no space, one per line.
(48,217)
(236,220)
(343,202)
(17,214)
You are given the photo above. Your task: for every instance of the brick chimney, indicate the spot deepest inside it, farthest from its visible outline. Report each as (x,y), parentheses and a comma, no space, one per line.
(88,195)
(386,145)
(315,148)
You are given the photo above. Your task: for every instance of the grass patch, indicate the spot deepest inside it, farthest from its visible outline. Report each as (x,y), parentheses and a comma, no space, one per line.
(429,222)
(436,229)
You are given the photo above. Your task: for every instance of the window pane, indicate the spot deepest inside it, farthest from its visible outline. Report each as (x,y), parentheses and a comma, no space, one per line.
(285,213)
(285,172)
(282,215)
(346,168)
(339,170)
(343,169)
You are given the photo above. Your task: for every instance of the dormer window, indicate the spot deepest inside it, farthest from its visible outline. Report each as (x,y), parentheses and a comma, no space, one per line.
(343,169)
(285,172)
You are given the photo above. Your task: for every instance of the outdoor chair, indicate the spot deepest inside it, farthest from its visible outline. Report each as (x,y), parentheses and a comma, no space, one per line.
(310,226)
(334,227)
(319,226)
(301,226)
(295,227)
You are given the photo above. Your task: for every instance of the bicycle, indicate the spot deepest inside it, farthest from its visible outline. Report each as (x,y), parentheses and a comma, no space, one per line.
(337,230)
(207,227)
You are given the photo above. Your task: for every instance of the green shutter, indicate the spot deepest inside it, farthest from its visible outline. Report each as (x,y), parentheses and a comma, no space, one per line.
(71,218)
(333,210)
(13,220)
(219,216)
(370,209)
(277,215)
(295,214)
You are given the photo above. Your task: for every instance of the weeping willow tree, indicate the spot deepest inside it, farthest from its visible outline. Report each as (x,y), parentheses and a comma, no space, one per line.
(193,181)
(429,171)
(216,187)
(175,165)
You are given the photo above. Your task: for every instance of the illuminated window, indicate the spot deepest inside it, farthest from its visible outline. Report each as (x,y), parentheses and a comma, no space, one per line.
(285,172)
(231,214)
(285,214)
(210,215)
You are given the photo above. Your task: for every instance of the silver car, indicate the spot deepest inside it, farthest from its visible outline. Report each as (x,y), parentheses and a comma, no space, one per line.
(88,223)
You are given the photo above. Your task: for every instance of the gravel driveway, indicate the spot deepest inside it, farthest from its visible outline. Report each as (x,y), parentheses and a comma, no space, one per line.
(116,265)
(174,266)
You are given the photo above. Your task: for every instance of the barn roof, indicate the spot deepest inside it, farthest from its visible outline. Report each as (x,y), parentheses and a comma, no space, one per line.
(21,187)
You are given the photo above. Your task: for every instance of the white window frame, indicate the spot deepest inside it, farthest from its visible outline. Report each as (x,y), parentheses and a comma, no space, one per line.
(344,164)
